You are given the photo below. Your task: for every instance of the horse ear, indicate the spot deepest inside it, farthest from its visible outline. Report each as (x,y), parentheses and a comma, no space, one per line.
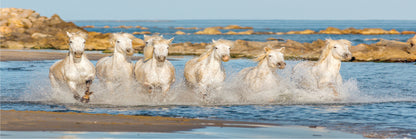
(69,34)
(146,37)
(112,38)
(282,49)
(130,36)
(267,49)
(171,39)
(84,35)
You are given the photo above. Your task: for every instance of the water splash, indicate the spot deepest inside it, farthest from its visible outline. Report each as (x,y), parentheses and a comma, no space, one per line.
(232,92)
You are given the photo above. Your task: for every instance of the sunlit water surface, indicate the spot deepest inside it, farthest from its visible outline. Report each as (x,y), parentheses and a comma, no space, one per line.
(376,98)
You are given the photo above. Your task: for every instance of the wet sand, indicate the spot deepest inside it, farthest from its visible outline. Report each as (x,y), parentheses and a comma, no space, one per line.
(22,55)
(12,120)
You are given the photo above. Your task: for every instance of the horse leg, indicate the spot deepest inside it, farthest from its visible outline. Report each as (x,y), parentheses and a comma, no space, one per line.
(109,86)
(54,83)
(148,87)
(334,89)
(86,97)
(330,85)
(72,86)
(203,91)
(165,89)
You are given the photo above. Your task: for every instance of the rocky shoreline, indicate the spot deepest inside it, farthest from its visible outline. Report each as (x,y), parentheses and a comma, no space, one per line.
(26,29)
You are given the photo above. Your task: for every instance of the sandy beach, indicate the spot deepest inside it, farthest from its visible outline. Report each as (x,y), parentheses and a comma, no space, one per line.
(24,124)
(22,55)
(12,120)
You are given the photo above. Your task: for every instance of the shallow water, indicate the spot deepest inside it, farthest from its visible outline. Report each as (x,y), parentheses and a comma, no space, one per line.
(376,98)
(209,132)
(167,28)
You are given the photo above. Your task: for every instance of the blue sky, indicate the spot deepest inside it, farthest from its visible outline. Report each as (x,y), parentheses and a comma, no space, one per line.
(220,9)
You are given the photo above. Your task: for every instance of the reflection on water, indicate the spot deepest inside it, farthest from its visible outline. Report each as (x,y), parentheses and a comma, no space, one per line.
(378,97)
(208,132)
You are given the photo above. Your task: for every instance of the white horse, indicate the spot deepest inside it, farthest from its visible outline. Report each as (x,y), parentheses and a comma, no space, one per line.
(206,71)
(117,69)
(75,70)
(325,72)
(264,76)
(155,71)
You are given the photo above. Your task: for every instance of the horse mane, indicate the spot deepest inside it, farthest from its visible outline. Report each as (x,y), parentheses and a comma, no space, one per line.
(79,34)
(260,58)
(114,36)
(206,54)
(325,52)
(328,47)
(210,48)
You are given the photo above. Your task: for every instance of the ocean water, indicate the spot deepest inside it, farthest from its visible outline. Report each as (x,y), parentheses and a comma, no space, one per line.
(375,98)
(167,28)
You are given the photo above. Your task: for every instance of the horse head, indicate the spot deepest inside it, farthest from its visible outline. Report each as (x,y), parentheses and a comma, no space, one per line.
(156,47)
(339,49)
(274,57)
(122,43)
(77,44)
(221,49)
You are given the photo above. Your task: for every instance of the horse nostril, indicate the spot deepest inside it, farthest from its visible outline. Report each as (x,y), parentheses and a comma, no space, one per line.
(345,55)
(162,58)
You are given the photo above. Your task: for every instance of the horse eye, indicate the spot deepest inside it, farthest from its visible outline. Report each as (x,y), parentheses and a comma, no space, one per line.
(168,48)
(216,48)
(118,41)
(335,47)
(70,41)
(270,55)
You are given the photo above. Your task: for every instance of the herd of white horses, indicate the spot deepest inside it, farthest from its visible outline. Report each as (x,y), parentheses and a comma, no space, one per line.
(206,72)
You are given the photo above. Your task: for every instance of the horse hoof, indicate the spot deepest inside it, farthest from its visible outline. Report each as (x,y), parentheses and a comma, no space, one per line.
(77,97)
(83,100)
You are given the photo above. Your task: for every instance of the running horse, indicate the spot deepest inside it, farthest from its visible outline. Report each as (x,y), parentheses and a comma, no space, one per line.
(75,71)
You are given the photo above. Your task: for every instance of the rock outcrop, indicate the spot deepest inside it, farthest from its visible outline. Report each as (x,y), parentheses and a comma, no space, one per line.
(382,51)
(385,51)
(236,27)
(209,31)
(24,28)
(180,33)
(308,31)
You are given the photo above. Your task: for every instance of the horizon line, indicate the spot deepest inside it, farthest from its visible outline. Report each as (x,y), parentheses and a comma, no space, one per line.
(170,20)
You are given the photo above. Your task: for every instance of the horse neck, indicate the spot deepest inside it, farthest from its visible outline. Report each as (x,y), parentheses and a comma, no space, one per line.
(212,60)
(119,57)
(331,63)
(264,67)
